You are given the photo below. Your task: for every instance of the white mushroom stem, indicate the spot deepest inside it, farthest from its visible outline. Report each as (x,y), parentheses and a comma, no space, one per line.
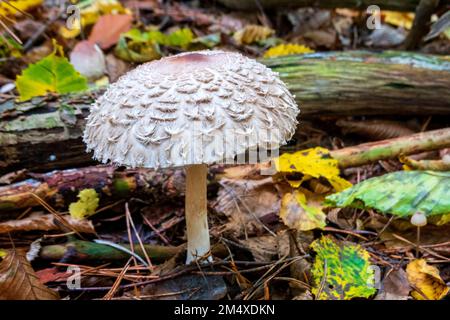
(196,213)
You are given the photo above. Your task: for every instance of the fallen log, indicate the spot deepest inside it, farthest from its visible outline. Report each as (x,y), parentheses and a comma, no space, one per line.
(392,148)
(397,5)
(59,188)
(44,134)
(86,251)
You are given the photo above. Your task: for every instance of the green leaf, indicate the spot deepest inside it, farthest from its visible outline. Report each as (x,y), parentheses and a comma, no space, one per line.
(341,271)
(179,38)
(209,41)
(401,193)
(53,73)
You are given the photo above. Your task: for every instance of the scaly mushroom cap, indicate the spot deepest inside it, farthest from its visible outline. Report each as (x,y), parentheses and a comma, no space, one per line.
(191,108)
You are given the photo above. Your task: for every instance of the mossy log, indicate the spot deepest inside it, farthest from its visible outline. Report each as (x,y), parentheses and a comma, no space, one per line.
(86,251)
(397,5)
(45,133)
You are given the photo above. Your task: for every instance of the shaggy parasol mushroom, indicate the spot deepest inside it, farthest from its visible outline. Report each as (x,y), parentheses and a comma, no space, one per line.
(191,110)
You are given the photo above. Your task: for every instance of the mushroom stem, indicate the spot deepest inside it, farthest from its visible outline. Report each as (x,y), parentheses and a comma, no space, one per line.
(196,213)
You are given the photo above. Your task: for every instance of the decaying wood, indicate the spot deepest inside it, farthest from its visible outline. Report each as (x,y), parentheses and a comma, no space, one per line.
(85,251)
(388,149)
(44,134)
(397,5)
(61,187)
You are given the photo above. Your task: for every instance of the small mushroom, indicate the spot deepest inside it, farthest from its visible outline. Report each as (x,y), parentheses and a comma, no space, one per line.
(419,219)
(191,110)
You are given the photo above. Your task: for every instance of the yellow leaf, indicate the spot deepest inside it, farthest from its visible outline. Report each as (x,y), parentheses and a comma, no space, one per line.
(287,49)
(91,13)
(298,213)
(53,73)
(252,33)
(426,278)
(13,7)
(312,163)
(3,253)
(399,19)
(86,205)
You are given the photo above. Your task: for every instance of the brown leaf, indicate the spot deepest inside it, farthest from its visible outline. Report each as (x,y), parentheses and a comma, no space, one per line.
(107,29)
(18,281)
(116,67)
(249,204)
(46,222)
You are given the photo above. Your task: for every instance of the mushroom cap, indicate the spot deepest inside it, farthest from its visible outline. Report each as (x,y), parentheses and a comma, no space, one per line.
(191,108)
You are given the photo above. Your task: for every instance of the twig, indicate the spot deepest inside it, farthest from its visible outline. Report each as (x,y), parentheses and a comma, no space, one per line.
(421,23)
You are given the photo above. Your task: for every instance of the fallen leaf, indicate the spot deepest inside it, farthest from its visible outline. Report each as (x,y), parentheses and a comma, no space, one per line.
(312,163)
(287,49)
(88,59)
(398,19)
(116,67)
(402,193)
(14,7)
(385,37)
(18,281)
(52,275)
(90,13)
(395,286)
(298,213)
(54,73)
(426,278)
(107,30)
(135,46)
(263,248)
(249,205)
(341,271)
(86,205)
(252,33)
(48,222)
(442,25)
(192,287)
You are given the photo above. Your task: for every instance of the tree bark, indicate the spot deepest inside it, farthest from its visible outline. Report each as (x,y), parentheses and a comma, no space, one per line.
(397,5)
(59,188)
(45,134)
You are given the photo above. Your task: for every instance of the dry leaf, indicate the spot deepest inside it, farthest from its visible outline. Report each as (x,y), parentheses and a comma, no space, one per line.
(252,33)
(312,163)
(248,204)
(18,281)
(48,222)
(398,19)
(287,49)
(88,59)
(298,213)
(426,278)
(107,30)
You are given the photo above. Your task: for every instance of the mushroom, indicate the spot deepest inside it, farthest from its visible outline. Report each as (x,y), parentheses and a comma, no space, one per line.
(190,110)
(418,219)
